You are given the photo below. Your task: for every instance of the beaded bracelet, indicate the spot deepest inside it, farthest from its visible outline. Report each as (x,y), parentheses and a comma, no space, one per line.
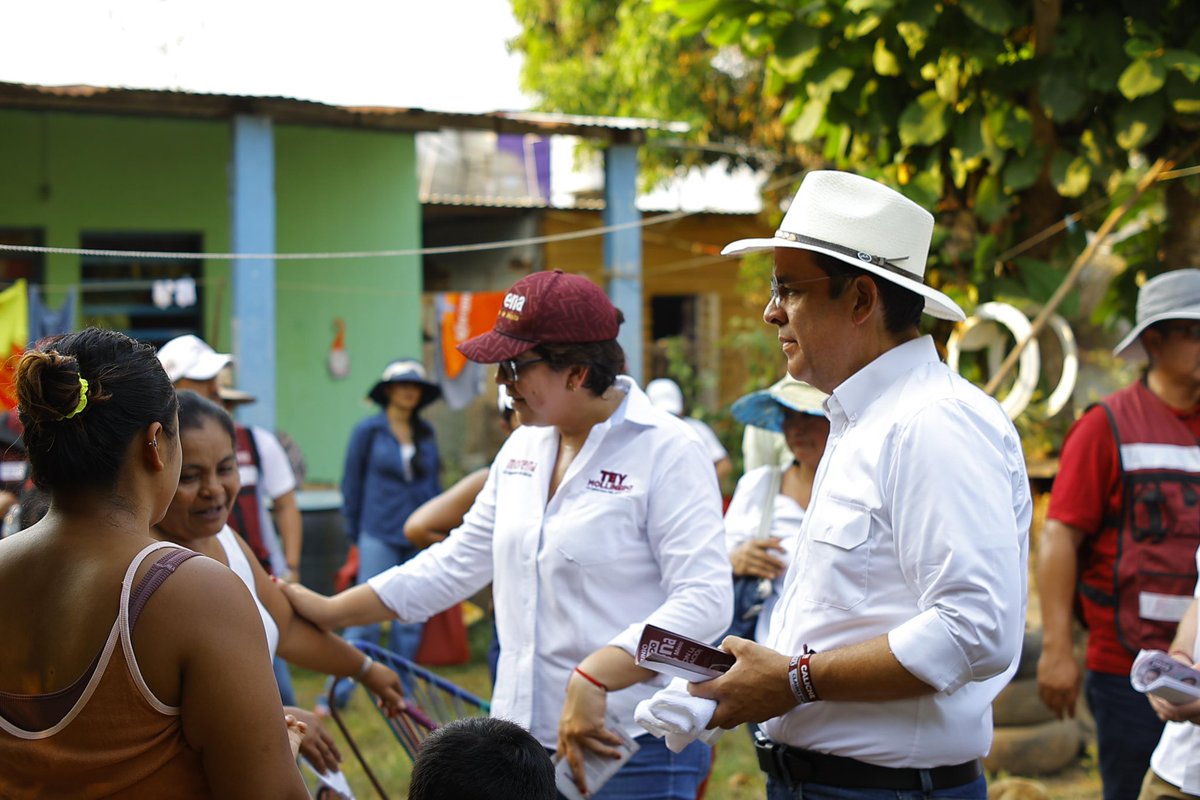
(365,668)
(800,679)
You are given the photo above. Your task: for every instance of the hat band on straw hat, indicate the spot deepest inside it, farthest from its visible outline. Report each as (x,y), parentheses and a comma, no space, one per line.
(878,261)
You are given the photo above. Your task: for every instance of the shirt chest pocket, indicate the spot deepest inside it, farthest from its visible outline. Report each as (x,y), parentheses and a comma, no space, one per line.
(836,567)
(600,530)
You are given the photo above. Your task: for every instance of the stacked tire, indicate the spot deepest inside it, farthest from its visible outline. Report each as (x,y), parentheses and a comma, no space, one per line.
(1028,740)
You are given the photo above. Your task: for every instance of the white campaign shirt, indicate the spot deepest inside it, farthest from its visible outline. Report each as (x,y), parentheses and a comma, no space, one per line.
(632,535)
(1177,757)
(708,437)
(918,529)
(742,521)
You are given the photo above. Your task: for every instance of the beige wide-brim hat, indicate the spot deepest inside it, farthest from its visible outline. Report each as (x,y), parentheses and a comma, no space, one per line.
(863,223)
(1172,295)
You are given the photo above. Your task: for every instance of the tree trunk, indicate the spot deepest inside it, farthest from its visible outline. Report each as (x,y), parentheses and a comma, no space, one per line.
(1181,241)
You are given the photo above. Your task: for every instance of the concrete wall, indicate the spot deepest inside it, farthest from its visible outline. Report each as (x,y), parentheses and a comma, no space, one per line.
(335,190)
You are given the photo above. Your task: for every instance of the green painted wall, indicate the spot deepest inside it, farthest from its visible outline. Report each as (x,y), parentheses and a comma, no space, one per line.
(342,190)
(71,173)
(335,190)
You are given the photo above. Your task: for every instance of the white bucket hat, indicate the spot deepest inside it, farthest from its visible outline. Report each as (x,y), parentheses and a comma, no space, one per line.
(863,223)
(1172,295)
(666,395)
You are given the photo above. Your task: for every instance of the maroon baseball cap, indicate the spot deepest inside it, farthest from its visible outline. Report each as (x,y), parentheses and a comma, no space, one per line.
(546,308)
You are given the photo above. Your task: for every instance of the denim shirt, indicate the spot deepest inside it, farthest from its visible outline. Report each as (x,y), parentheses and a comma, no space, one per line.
(376,496)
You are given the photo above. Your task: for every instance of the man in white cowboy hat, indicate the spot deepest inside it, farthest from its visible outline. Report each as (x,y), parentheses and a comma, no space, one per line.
(1122,529)
(903,610)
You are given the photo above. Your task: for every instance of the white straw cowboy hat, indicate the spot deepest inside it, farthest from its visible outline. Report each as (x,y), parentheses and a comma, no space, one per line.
(1172,295)
(863,223)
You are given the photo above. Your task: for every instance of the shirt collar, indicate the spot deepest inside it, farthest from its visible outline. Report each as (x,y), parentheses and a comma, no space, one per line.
(858,391)
(636,407)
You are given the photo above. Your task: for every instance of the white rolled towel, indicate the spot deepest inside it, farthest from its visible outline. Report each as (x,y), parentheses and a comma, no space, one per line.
(677,715)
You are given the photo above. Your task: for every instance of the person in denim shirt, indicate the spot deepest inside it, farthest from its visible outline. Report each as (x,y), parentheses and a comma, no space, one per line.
(392,467)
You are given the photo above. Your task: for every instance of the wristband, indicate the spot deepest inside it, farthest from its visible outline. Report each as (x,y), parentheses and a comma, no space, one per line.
(800,679)
(591,680)
(365,668)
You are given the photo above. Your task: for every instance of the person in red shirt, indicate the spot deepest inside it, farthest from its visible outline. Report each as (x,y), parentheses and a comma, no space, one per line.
(1122,531)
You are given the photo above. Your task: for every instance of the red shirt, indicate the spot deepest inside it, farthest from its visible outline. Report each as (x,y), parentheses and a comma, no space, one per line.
(1086,490)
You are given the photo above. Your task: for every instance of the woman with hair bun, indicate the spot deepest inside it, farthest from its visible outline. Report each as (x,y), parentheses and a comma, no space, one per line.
(130,668)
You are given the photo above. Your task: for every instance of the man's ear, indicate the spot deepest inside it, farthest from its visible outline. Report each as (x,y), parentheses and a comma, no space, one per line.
(865,295)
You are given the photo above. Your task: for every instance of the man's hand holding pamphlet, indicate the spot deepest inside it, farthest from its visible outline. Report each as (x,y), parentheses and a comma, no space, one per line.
(1154,672)
(673,712)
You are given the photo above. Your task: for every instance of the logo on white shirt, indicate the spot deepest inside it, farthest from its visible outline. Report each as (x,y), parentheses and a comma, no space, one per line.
(520,466)
(610,483)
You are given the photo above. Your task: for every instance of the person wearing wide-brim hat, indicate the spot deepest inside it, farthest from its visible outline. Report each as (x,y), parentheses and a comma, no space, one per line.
(769,502)
(910,565)
(392,467)
(601,514)
(1123,513)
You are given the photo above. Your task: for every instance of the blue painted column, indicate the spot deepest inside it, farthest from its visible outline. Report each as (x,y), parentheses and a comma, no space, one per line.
(252,227)
(623,249)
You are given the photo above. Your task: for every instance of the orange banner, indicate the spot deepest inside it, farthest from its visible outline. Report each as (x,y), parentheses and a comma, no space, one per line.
(465,314)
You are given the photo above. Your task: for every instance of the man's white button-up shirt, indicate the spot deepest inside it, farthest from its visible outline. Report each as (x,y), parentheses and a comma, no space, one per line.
(918,529)
(632,535)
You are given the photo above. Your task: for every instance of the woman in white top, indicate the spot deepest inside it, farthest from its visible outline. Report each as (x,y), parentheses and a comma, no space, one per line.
(600,514)
(208,486)
(759,537)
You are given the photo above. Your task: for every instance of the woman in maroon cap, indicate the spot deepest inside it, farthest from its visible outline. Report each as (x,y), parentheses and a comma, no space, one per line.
(601,514)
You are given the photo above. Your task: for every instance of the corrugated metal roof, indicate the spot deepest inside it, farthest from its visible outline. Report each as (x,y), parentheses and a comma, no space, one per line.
(176,103)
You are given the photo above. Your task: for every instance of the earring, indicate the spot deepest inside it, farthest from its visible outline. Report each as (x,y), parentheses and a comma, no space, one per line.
(570,386)
(153,443)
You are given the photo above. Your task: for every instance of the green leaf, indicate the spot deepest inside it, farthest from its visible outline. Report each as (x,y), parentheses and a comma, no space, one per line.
(1140,48)
(949,68)
(727,32)
(995,16)
(914,35)
(884,60)
(1060,93)
(924,121)
(1021,172)
(1138,122)
(1016,129)
(809,122)
(1185,61)
(1071,173)
(695,9)
(863,26)
(1142,77)
(990,203)
(859,6)
(1184,96)
(827,80)
(796,51)
(986,250)
(924,189)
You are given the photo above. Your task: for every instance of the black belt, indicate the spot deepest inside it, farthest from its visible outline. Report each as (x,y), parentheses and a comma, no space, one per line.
(795,767)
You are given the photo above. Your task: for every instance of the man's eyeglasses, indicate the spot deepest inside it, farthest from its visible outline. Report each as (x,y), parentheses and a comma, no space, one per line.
(1188,330)
(781,291)
(509,369)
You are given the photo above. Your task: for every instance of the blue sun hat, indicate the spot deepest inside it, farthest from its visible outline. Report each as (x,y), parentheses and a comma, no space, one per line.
(764,409)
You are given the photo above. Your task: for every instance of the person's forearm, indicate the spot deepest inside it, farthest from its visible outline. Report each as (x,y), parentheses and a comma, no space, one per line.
(290,527)
(305,645)
(1185,635)
(1057,573)
(866,672)
(359,605)
(614,668)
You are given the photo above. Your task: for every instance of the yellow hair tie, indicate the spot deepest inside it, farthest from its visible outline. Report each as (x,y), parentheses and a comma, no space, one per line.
(83,390)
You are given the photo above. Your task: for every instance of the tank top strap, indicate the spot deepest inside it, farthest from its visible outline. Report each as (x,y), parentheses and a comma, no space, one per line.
(159,571)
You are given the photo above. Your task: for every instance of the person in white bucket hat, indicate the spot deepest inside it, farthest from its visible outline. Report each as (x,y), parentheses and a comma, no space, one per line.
(1123,513)
(902,612)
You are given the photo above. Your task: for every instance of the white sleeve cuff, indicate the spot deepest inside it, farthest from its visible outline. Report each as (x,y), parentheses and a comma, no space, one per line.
(391,592)
(925,648)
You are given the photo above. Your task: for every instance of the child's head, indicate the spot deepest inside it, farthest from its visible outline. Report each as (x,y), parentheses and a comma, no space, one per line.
(482,758)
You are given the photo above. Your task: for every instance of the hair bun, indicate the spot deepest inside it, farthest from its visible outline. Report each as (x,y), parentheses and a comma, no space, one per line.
(48,386)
